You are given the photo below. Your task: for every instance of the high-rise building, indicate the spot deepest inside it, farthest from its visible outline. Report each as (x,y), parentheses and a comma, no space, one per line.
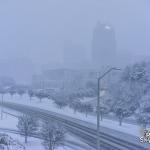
(103,46)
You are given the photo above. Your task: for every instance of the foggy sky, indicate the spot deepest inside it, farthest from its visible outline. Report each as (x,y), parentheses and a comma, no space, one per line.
(37,29)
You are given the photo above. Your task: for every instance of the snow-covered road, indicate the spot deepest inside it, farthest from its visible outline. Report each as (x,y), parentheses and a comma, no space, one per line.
(49,105)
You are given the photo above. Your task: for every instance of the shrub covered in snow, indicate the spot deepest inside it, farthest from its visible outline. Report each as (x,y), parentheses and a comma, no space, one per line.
(143,119)
(8,143)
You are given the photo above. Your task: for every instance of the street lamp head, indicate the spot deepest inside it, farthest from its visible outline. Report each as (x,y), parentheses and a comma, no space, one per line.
(116,68)
(108,71)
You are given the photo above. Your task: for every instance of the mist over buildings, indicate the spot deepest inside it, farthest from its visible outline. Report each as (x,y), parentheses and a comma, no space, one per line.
(38,34)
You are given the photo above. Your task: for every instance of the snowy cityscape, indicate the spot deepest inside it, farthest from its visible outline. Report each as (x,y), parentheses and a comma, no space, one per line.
(74,75)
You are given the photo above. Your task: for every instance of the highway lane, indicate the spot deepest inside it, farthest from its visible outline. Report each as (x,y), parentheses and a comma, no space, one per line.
(110,139)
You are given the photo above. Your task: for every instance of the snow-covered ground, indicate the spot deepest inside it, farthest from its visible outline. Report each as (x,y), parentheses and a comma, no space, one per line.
(49,105)
(10,122)
(36,144)
(33,143)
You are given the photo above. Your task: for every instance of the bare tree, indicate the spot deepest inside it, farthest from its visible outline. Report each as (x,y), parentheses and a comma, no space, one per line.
(12,91)
(86,108)
(21,92)
(31,94)
(40,95)
(27,125)
(103,111)
(122,113)
(2,92)
(53,135)
(75,105)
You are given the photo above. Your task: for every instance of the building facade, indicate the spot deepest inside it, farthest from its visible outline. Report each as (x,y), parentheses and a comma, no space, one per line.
(63,79)
(103,46)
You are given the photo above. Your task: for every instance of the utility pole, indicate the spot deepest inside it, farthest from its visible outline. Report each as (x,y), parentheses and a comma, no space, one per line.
(98,103)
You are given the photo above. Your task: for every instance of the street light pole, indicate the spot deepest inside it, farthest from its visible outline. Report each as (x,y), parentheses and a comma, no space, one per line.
(98,115)
(2,96)
(98,103)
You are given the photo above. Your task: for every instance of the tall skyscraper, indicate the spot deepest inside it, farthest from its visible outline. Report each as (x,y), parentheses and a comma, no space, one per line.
(103,46)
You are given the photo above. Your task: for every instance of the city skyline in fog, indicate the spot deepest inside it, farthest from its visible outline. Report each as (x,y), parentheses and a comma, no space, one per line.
(37,30)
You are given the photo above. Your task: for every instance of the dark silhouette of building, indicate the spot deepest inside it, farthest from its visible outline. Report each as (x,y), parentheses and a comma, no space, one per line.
(103,46)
